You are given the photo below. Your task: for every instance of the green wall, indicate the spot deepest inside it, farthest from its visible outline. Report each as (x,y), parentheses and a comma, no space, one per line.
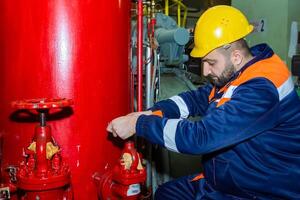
(278,15)
(275,14)
(293,15)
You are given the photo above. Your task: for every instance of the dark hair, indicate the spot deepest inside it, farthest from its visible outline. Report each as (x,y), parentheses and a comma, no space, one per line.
(240,44)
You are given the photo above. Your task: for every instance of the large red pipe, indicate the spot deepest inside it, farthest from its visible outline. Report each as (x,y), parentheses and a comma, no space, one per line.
(140,56)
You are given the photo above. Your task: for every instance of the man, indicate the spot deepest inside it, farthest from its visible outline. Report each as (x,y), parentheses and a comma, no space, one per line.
(249,134)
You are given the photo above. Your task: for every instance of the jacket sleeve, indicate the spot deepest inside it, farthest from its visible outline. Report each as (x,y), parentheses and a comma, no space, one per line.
(253,109)
(190,103)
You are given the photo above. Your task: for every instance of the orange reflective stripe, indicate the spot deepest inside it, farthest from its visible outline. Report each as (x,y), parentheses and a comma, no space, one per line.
(223,89)
(272,68)
(158,113)
(198,177)
(212,94)
(222,101)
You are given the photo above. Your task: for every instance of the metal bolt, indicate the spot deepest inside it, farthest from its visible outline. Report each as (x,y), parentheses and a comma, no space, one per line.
(12,172)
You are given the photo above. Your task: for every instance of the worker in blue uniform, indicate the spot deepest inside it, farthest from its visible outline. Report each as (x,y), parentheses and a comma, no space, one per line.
(249,133)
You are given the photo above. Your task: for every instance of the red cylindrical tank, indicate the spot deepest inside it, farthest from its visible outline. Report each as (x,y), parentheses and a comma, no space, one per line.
(75,49)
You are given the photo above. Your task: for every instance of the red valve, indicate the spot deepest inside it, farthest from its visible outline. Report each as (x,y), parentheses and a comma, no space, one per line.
(123,181)
(43,174)
(133,174)
(130,150)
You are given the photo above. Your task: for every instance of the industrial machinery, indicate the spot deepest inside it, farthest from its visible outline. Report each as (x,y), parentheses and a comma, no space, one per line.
(163,46)
(171,40)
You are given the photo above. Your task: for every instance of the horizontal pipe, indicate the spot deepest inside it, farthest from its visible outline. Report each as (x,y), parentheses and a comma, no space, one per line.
(179,36)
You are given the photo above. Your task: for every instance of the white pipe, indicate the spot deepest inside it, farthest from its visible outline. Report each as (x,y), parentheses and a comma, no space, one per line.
(148,77)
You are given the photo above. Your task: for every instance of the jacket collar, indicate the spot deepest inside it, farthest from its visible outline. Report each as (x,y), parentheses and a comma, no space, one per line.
(260,52)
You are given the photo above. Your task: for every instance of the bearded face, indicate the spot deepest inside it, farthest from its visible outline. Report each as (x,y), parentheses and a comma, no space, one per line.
(218,67)
(224,77)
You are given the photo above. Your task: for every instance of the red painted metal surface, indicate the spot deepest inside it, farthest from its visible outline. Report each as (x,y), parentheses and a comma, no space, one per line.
(72,49)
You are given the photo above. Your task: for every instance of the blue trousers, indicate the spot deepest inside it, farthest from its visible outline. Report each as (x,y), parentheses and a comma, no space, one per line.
(185,189)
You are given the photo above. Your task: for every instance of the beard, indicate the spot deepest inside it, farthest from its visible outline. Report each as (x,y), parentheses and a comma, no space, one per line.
(224,78)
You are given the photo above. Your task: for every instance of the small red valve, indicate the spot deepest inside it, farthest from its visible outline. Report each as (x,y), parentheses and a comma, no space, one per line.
(130,169)
(125,179)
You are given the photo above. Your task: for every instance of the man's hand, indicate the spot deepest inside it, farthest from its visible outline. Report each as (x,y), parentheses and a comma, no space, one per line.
(124,126)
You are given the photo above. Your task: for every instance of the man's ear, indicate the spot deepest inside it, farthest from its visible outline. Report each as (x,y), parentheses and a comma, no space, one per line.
(236,57)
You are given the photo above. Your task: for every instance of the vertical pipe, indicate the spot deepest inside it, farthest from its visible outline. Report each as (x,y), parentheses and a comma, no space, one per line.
(148,77)
(184,17)
(179,5)
(140,56)
(153,19)
(132,90)
(149,56)
(167,7)
(178,14)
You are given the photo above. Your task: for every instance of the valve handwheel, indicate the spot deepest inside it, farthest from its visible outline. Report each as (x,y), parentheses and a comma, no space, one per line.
(42,106)
(43,103)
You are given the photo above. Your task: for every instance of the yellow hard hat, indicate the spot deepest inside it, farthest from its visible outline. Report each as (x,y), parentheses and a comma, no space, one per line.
(218,26)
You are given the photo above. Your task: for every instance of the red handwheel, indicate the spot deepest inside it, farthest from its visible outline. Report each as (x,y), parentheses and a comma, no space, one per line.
(43,103)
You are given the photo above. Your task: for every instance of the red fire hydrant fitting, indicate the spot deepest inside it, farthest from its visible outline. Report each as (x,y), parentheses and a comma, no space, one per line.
(43,174)
(125,179)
